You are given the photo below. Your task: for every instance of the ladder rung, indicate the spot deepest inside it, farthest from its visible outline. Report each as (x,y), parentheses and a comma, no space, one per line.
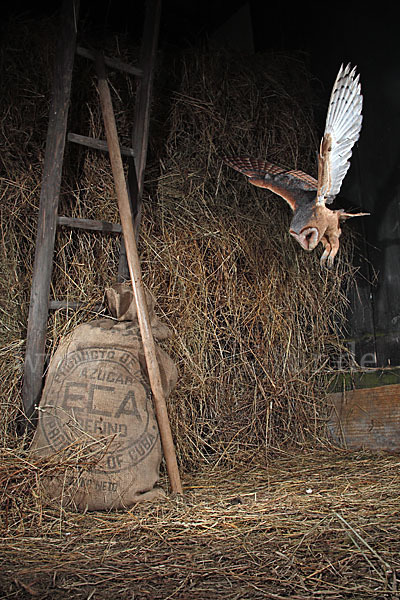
(90,142)
(57,304)
(111,62)
(90,224)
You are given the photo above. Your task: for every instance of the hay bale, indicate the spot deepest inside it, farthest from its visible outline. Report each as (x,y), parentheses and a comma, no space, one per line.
(253,316)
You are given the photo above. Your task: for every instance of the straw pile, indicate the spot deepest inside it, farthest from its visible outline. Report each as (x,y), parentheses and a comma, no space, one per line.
(311,526)
(254,317)
(255,323)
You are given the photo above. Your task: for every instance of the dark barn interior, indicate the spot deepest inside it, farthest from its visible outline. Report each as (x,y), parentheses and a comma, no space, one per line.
(286,411)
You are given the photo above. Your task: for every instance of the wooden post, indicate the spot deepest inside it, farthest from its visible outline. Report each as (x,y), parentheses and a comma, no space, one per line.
(49,197)
(136,277)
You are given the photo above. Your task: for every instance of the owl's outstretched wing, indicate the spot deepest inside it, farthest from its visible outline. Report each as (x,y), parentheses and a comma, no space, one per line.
(293,186)
(342,130)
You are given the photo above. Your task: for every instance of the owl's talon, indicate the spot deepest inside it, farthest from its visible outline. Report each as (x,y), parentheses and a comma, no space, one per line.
(327,261)
(326,264)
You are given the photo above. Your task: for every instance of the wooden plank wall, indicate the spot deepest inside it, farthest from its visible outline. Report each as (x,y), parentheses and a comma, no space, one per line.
(366,418)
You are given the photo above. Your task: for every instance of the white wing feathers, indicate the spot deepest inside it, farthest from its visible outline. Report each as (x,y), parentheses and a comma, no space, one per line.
(342,130)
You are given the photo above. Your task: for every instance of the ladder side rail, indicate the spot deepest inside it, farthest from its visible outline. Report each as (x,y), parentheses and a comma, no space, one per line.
(140,132)
(48,207)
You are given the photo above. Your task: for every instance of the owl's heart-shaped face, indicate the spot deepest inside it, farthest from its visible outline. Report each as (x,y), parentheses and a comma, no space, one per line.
(308,238)
(309,224)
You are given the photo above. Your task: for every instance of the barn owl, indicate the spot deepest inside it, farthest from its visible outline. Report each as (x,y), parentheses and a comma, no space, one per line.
(312,221)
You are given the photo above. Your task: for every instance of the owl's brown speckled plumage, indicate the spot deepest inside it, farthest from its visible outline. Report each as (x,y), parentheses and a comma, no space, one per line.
(312,221)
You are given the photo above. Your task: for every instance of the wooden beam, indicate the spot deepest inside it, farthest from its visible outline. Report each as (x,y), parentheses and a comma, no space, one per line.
(49,197)
(136,277)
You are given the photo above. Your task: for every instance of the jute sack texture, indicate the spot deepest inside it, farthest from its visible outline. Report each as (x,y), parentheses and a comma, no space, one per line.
(97,402)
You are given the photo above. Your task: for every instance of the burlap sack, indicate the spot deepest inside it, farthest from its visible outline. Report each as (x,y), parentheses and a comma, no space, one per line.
(97,398)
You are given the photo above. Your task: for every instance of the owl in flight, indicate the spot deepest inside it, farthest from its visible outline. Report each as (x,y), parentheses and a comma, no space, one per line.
(312,221)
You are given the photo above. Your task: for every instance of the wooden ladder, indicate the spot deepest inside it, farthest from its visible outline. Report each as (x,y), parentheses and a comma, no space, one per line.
(48,219)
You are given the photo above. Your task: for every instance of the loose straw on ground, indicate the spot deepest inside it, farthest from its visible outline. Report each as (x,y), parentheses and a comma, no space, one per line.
(136,277)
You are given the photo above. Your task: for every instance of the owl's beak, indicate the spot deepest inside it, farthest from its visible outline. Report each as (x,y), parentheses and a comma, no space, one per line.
(308,238)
